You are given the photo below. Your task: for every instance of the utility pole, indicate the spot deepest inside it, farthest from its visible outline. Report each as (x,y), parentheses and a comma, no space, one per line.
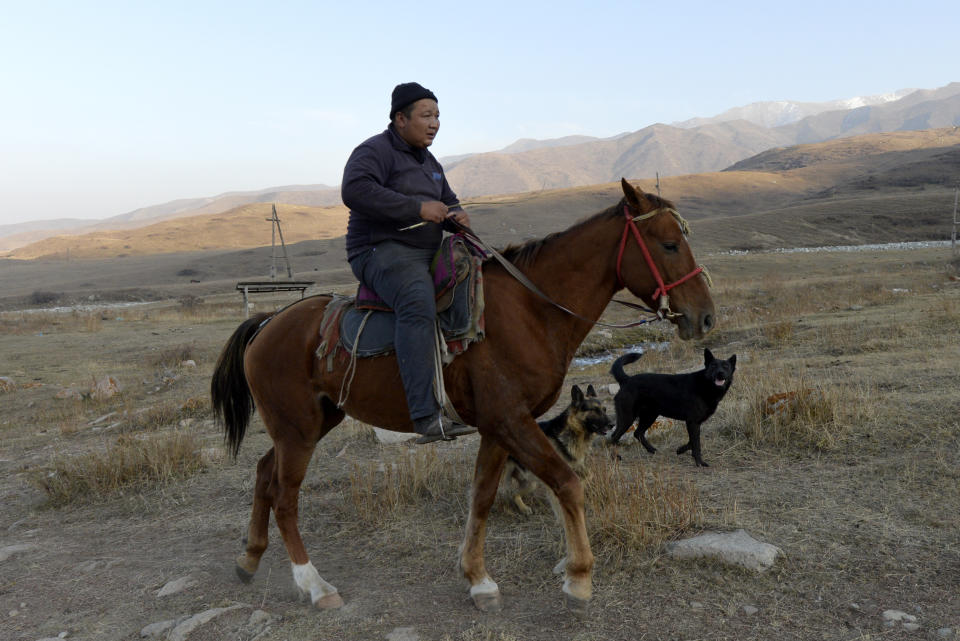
(658,183)
(274,231)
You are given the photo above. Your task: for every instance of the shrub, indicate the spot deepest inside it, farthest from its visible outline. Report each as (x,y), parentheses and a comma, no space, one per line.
(130,462)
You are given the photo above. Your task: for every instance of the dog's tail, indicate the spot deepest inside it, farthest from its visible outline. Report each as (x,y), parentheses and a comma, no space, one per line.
(617,368)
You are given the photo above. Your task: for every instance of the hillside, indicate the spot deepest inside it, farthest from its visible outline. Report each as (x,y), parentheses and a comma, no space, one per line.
(902,165)
(240,227)
(538,165)
(869,189)
(678,150)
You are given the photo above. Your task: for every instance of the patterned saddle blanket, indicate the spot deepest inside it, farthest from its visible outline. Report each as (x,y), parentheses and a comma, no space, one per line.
(364,326)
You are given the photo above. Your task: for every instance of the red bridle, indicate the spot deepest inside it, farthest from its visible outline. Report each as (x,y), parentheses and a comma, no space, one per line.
(664,309)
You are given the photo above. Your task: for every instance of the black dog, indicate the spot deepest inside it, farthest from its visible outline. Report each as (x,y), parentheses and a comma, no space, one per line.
(684,397)
(570,433)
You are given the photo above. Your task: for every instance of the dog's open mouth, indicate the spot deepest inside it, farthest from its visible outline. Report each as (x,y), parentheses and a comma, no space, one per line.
(720,381)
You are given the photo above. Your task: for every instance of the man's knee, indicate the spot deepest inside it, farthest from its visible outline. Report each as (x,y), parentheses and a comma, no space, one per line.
(416,301)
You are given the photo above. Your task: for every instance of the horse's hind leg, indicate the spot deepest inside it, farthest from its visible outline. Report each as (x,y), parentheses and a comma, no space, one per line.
(293,456)
(486,477)
(256,540)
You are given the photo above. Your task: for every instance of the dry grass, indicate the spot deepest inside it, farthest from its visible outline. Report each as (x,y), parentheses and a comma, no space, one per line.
(128,463)
(631,510)
(19,323)
(384,490)
(171,357)
(866,520)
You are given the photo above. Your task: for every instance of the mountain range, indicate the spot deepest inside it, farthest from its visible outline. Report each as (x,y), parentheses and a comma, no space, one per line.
(690,147)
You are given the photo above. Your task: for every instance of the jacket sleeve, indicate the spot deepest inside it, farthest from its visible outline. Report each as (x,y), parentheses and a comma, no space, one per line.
(363,189)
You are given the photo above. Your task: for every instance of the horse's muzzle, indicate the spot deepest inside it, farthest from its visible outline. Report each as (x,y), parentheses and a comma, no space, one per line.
(698,327)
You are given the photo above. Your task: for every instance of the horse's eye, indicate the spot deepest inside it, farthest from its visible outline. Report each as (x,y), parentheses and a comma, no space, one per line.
(670,247)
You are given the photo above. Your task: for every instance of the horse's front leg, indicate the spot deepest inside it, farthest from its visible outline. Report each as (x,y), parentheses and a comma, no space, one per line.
(578,565)
(536,454)
(486,478)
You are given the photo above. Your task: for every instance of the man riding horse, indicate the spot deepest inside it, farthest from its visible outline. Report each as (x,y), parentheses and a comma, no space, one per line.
(399,204)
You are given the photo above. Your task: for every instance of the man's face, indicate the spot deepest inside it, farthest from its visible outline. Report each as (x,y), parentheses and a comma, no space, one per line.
(423,124)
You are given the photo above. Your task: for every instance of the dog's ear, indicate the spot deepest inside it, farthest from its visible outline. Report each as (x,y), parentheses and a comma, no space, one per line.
(576,395)
(591,391)
(733,361)
(707,356)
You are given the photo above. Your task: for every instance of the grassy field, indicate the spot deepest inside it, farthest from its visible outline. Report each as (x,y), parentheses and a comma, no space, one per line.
(109,497)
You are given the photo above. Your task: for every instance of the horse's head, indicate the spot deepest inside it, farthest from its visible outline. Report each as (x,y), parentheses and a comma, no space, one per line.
(656,264)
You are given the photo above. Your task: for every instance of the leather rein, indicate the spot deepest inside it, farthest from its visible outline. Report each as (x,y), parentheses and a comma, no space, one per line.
(663,312)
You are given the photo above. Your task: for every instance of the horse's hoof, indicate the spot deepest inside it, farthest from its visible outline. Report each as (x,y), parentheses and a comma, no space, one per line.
(577,607)
(488,601)
(329,601)
(243,573)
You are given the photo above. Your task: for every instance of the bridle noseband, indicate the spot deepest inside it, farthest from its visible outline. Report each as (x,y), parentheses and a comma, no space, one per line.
(663,310)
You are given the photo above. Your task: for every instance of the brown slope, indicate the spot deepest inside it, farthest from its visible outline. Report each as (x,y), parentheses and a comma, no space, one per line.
(658,148)
(847,148)
(241,227)
(786,188)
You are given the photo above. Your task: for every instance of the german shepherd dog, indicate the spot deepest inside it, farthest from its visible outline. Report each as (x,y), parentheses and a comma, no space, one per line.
(692,398)
(571,433)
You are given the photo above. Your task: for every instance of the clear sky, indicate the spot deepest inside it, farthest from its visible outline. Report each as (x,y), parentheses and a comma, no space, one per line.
(110,106)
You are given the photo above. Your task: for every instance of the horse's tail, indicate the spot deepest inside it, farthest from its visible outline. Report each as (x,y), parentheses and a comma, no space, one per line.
(232,403)
(617,368)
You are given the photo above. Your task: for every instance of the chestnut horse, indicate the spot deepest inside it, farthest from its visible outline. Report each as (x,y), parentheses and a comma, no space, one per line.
(500,385)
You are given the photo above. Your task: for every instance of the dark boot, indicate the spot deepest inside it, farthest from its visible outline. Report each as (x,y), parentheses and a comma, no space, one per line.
(435,428)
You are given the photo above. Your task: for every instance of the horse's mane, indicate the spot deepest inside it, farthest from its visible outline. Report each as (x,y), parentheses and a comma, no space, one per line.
(526,253)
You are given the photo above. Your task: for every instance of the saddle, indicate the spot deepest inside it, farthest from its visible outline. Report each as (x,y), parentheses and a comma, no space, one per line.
(363,326)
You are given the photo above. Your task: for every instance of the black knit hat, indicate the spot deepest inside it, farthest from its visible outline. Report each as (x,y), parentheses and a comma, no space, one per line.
(407,93)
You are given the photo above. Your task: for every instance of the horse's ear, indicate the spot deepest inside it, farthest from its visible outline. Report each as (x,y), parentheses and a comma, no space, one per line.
(633,194)
(577,395)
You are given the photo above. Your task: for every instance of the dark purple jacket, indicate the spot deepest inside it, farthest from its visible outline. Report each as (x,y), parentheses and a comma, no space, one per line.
(384,182)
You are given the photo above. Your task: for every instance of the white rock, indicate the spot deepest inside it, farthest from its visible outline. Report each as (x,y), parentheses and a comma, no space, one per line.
(259,618)
(945,633)
(749,609)
(17,548)
(898,615)
(188,364)
(160,628)
(403,634)
(613,388)
(387,436)
(177,585)
(183,630)
(911,627)
(738,548)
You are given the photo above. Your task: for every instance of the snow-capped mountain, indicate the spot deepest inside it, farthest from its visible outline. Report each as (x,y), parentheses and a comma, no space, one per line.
(777,113)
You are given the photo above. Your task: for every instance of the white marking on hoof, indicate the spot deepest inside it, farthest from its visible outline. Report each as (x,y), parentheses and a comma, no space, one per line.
(573,599)
(486,596)
(487,586)
(308,581)
(561,566)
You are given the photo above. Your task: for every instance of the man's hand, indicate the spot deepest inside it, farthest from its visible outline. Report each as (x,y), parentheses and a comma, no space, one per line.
(461,217)
(433,211)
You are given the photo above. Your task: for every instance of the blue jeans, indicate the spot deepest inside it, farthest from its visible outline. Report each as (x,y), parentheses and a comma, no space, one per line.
(400,275)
